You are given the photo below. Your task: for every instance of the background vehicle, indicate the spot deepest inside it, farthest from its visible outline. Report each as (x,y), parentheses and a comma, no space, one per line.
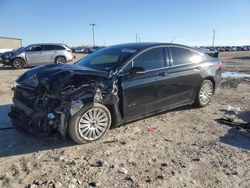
(212,51)
(92,49)
(114,85)
(38,54)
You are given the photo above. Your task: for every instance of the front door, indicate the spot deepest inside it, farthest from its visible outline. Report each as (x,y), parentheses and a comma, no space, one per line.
(34,55)
(142,92)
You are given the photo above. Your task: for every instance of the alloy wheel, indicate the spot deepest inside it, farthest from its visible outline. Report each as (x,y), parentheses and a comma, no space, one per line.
(60,60)
(205,93)
(17,63)
(93,124)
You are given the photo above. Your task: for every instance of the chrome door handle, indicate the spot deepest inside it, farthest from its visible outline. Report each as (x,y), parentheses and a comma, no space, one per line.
(198,68)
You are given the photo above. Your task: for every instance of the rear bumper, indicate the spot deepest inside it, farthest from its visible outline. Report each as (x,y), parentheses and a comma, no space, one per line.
(69,57)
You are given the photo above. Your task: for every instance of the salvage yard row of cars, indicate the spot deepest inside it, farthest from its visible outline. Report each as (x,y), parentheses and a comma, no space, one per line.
(225,48)
(39,54)
(110,87)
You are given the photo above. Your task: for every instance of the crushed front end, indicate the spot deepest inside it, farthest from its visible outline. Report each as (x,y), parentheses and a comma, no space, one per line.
(36,112)
(46,97)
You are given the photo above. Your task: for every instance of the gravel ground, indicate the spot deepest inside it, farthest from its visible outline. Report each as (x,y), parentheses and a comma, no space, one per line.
(186,147)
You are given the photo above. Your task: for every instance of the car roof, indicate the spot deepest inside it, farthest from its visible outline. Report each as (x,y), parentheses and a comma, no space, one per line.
(48,44)
(144,45)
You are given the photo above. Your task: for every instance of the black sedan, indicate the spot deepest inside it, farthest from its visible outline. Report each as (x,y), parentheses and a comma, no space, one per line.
(112,86)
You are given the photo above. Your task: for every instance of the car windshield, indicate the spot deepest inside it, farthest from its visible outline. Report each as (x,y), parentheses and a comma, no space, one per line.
(106,58)
(18,49)
(24,49)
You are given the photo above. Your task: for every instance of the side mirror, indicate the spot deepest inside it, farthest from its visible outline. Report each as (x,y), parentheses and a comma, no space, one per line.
(136,70)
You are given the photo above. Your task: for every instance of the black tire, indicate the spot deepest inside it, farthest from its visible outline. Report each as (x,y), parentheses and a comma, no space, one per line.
(74,122)
(18,63)
(60,60)
(199,101)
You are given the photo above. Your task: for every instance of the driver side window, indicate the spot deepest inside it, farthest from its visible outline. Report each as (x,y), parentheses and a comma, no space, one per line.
(35,49)
(151,59)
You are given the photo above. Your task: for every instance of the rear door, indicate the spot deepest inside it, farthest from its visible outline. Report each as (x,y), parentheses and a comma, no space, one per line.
(184,74)
(142,93)
(51,51)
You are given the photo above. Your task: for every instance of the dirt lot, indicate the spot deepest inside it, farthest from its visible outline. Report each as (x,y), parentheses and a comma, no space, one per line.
(186,147)
(236,61)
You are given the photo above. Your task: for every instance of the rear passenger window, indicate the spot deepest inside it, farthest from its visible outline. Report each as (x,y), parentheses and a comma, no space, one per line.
(151,59)
(53,47)
(60,48)
(181,55)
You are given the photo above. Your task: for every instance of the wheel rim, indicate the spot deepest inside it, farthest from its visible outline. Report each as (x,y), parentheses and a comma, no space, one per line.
(17,64)
(93,124)
(60,60)
(206,93)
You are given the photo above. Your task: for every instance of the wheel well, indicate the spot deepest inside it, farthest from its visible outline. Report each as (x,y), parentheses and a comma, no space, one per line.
(60,56)
(25,63)
(212,80)
(18,58)
(112,112)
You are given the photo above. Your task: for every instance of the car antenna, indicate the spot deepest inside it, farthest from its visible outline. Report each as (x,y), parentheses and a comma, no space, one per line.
(173,39)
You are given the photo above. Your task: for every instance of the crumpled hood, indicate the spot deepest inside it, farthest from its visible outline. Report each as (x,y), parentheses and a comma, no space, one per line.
(47,71)
(8,53)
(58,74)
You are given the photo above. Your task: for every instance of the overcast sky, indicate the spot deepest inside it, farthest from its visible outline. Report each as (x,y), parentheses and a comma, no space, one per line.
(189,22)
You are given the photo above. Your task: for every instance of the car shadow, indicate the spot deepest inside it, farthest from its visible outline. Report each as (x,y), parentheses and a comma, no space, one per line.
(6,68)
(4,119)
(239,133)
(13,142)
(11,68)
(237,137)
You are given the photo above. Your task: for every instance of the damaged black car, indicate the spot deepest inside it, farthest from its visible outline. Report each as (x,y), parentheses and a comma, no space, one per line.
(110,87)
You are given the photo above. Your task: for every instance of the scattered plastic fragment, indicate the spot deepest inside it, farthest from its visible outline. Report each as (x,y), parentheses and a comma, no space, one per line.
(231,122)
(233,109)
(151,129)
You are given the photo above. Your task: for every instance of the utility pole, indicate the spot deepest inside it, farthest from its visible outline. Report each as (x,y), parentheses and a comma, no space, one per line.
(213,37)
(93,32)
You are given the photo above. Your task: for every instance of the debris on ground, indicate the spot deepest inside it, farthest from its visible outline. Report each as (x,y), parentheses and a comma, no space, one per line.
(151,129)
(233,109)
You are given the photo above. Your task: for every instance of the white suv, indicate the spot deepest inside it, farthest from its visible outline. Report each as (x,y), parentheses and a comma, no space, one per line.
(38,54)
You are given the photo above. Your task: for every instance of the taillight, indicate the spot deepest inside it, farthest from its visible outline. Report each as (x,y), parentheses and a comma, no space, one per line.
(219,65)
